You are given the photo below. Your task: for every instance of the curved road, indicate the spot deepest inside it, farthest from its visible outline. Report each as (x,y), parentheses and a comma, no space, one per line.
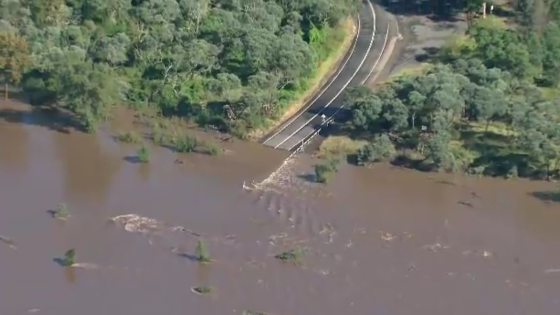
(356,68)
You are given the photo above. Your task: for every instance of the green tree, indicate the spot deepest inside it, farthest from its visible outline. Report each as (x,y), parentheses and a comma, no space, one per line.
(14,58)
(380,149)
(438,150)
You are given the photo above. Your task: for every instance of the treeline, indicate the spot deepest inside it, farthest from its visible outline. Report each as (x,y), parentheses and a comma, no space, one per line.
(228,63)
(480,109)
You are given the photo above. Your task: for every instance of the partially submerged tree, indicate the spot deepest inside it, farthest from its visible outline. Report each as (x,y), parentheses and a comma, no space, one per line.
(69,258)
(201,252)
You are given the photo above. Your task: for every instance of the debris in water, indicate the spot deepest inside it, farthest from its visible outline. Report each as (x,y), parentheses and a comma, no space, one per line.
(61,212)
(250,312)
(552,270)
(387,237)
(326,227)
(294,255)
(88,266)
(8,241)
(436,247)
(138,224)
(467,204)
(273,238)
(202,290)
(483,253)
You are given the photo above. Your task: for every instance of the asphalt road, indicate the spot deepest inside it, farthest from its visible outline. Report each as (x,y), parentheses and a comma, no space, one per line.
(356,68)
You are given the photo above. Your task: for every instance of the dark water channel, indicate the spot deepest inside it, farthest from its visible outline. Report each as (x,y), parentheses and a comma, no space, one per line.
(379,241)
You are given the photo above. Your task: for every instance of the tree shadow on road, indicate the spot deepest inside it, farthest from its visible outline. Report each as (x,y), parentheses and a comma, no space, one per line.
(437,10)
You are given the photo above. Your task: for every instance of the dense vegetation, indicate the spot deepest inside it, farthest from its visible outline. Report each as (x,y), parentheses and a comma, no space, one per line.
(227,63)
(480,108)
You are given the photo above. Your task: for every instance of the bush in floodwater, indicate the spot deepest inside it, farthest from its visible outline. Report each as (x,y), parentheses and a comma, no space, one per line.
(325,170)
(143,153)
(186,144)
(69,258)
(129,137)
(201,252)
(61,211)
(202,290)
(294,255)
(212,149)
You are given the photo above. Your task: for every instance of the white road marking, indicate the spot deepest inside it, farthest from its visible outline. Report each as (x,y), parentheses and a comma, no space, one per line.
(317,96)
(331,118)
(345,85)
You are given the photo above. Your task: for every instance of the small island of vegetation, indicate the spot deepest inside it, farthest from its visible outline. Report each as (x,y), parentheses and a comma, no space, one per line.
(486,104)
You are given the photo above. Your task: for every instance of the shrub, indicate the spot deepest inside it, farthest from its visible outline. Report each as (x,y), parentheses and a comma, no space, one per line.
(61,211)
(129,137)
(380,149)
(324,171)
(143,153)
(212,149)
(294,255)
(202,252)
(69,258)
(186,144)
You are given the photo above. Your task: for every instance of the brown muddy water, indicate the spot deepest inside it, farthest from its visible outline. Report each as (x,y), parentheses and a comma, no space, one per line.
(379,241)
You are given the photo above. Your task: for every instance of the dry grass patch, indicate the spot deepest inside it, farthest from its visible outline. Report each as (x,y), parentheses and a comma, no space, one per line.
(498,128)
(324,71)
(339,146)
(413,70)
(550,93)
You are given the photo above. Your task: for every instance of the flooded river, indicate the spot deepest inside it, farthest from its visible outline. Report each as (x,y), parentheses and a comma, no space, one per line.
(378,241)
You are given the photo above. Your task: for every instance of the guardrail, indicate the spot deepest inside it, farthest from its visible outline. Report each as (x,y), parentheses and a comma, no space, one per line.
(300,146)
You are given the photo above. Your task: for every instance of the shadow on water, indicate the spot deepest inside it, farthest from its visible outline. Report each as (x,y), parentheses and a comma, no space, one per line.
(547,196)
(52,119)
(132,159)
(311,178)
(188,256)
(60,262)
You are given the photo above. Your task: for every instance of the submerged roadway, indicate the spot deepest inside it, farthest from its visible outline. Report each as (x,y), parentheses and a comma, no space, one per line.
(355,69)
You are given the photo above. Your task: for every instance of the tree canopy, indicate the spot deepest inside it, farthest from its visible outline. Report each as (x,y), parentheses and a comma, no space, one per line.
(182,57)
(481,106)
(446,115)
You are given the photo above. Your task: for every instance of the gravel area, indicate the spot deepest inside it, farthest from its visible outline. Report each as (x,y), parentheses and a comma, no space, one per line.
(422,37)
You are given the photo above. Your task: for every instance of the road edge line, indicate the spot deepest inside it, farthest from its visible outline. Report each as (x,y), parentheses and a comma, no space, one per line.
(345,85)
(317,96)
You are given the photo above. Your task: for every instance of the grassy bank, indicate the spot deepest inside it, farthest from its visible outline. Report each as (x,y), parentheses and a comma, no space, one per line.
(172,133)
(338,41)
(339,145)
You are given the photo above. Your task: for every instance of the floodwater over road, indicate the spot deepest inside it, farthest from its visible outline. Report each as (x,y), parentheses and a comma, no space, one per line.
(380,241)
